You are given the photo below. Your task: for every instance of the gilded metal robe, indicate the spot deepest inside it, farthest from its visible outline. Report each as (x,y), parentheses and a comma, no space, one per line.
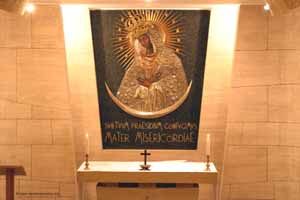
(162,93)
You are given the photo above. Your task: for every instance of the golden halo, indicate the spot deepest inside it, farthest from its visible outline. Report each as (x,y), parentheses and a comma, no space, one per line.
(168,21)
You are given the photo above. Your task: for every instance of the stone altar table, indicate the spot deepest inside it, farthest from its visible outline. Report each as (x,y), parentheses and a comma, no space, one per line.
(161,172)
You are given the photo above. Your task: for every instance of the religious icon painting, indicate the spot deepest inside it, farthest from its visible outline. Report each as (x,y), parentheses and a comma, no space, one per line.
(150,71)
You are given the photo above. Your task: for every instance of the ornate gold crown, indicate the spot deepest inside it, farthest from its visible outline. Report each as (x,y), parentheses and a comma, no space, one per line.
(137,25)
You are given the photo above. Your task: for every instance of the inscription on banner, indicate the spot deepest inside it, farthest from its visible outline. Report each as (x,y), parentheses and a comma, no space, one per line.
(149,132)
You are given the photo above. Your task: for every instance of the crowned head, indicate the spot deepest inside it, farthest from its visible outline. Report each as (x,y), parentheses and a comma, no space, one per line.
(137,25)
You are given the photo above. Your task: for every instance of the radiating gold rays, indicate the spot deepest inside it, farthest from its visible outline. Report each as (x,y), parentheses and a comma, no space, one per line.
(170,23)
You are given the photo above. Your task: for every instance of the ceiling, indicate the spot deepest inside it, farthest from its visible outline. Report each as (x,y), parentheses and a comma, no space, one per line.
(167,2)
(277,6)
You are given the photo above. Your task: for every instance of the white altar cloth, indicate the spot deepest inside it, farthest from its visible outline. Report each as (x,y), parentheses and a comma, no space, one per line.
(161,172)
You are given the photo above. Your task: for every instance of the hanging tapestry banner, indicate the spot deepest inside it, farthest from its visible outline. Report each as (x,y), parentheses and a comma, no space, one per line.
(150,72)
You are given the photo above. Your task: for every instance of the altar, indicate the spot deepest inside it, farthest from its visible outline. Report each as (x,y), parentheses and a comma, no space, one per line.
(163,172)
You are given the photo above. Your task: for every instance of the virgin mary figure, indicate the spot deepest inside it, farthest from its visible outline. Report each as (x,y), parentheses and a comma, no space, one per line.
(156,80)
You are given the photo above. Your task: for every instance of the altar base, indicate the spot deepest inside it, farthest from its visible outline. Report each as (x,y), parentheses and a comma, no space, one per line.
(147,191)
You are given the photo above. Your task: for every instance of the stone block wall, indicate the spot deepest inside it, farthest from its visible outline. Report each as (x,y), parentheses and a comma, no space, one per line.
(259,114)
(35,118)
(263,130)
